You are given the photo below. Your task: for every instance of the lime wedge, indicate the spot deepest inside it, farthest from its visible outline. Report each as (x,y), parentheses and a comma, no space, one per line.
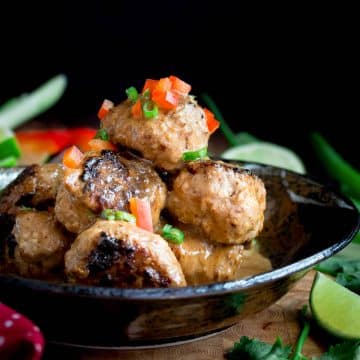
(266,153)
(335,308)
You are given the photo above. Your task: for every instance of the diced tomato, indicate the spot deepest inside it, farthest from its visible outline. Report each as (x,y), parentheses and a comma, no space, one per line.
(212,123)
(179,86)
(142,211)
(136,110)
(73,157)
(150,84)
(163,85)
(105,108)
(99,145)
(166,100)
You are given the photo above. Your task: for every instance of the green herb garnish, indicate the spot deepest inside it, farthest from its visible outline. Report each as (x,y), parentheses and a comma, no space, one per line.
(102,134)
(195,155)
(173,234)
(132,94)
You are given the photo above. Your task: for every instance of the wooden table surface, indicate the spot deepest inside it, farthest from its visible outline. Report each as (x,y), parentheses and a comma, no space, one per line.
(280,319)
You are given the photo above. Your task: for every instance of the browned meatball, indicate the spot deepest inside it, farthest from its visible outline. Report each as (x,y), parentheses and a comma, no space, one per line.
(37,245)
(121,254)
(107,181)
(72,213)
(204,261)
(163,139)
(35,187)
(225,201)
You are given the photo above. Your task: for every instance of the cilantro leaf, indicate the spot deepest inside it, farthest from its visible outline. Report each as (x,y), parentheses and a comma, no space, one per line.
(347,272)
(348,350)
(254,349)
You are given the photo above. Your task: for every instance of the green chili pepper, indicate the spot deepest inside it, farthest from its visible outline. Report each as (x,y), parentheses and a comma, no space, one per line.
(336,166)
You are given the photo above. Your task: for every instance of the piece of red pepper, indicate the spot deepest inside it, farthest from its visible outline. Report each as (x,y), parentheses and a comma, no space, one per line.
(39,145)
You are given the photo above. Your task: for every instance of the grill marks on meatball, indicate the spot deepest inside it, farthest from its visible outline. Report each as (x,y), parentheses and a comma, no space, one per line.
(105,177)
(123,255)
(35,187)
(108,181)
(104,255)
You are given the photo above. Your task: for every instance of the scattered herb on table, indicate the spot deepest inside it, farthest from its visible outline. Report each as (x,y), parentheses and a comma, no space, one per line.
(254,349)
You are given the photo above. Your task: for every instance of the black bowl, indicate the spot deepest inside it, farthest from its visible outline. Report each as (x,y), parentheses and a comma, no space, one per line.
(305,223)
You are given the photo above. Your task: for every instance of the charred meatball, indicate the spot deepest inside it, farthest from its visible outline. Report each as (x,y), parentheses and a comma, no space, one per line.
(120,254)
(37,245)
(35,187)
(162,140)
(107,181)
(225,201)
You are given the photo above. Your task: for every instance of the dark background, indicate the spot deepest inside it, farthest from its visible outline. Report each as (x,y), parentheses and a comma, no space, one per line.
(275,71)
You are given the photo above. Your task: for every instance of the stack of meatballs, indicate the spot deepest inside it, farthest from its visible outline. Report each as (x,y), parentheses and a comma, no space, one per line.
(51,215)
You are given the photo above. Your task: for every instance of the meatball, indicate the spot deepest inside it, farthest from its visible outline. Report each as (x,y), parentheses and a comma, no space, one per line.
(120,254)
(225,201)
(35,187)
(37,244)
(107,181)
(72,213)
(204,261)
(162,140)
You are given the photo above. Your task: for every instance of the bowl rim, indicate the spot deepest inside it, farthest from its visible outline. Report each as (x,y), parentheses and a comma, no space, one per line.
(199,291)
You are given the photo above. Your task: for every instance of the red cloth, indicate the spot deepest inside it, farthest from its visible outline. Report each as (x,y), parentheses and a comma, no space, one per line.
(19,337)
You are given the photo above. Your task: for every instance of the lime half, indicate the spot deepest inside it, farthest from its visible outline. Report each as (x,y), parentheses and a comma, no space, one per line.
(335,308)
(266,153)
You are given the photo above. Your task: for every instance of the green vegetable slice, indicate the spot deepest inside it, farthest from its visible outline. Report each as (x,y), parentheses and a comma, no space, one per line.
(102,134)
(336,166)
(195,155)
(266,153)
(8,144)
(335,308)
(124,216)
(132,94)
(23,108)
(150,109)
(173,234)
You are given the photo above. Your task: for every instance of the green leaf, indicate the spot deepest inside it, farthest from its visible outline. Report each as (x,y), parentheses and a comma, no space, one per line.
(348,350)
(254,349)
(350,281)
(347,272)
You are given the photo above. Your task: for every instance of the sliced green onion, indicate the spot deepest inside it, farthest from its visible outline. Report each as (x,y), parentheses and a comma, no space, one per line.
(195,155)
(124,216)
(173,234)
(132,94)
(150,109)
(102,134)
(108,214)
(146,94)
